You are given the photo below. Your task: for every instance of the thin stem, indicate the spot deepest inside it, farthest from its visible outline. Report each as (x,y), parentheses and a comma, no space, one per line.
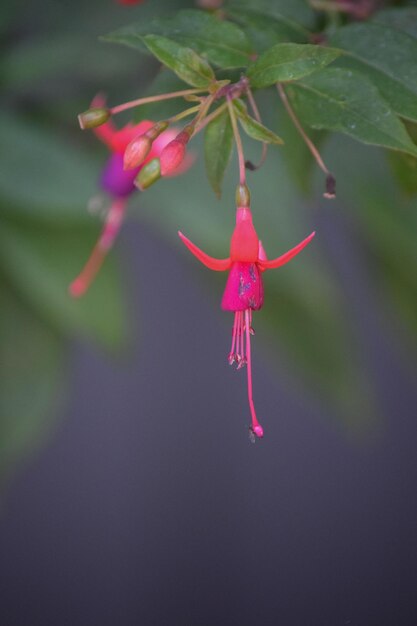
(330,181)
(165,96)
(210,117)
(203,109)
(180,116)
(257,116)
(238,141)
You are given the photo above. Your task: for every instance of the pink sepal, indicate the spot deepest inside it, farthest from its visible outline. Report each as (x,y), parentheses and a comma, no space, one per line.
(218,265)
(284,258)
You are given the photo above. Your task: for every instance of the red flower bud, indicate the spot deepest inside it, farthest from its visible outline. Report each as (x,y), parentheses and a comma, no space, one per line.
(173,153)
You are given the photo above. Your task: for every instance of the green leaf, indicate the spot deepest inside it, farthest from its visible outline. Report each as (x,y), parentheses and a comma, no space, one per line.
(297,11)
(404,19)
(347,102)
(404,166)
(218,145)
(287,62)
(253,128)
(31,378)
(265,30)
(224,44)
(42,175)
(187,65)
(386,56)
(41,261)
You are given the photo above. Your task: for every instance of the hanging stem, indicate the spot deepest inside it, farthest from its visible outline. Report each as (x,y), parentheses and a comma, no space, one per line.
(330,180)
(238,141)
(257,116)
(165,96)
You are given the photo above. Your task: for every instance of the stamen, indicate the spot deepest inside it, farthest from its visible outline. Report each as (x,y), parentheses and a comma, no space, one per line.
(110,230)
(238,333)
(256,427)
(232,354)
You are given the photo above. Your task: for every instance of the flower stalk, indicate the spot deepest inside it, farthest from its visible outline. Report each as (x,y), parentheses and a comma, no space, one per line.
(330,179)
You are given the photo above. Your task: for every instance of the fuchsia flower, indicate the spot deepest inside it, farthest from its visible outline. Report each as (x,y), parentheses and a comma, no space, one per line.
(244,289)
(118,183)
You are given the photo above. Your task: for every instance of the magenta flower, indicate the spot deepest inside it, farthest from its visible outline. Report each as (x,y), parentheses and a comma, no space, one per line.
(244,288)
(118,183)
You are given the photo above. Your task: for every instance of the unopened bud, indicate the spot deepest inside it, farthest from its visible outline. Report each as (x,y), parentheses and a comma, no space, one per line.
(330,187)
(242,196)
(173,153)
(171,157)
(93,117)
(136,152)
(148,175)
(156,130)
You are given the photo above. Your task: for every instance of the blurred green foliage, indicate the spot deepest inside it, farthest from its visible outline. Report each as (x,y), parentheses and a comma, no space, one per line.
(53,63)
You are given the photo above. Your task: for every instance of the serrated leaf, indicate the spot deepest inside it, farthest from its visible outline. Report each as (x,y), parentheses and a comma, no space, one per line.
(187,65)
(31,378)
(224,44)
(386,56)
(41,261)
(253,128)
(218,145)
(346,101)
(265,30)
(287,62)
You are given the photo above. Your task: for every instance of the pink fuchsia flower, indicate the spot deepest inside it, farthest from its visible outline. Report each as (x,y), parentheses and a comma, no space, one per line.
(244,288)
(118,183)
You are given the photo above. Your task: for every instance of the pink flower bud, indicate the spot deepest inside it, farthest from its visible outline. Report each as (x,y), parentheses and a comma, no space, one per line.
(173,154)
(136,152)
(139,148)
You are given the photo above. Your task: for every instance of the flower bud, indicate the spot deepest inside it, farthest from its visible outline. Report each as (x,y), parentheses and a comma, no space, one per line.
(156,130)
(139,148)
(148,175)
(93,117)
(242,196)
(136,152)
(173,153)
